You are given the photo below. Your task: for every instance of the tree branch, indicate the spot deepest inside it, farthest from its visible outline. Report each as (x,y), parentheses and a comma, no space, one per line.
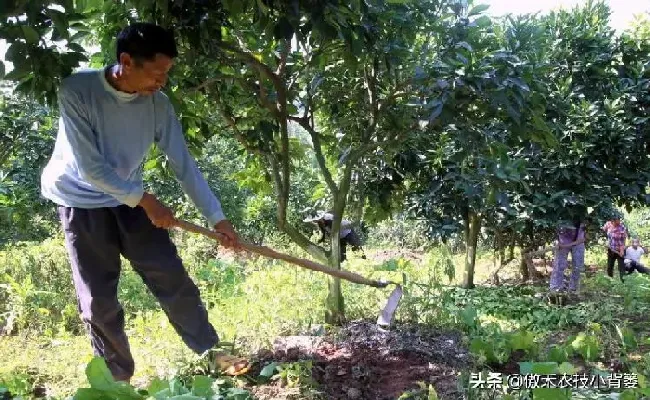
(230,120)
(255,63)
(295,235)
(284,54)
(318,151)
(301,240)
(370,79)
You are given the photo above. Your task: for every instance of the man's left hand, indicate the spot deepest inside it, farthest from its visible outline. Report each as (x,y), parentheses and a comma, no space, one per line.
(229,237)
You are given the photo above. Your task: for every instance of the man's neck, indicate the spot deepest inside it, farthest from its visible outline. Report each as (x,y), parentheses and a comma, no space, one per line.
(114,78)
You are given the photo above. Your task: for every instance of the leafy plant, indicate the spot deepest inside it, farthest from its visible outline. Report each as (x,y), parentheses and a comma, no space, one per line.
(587,345)
(295,374)
(559,353)
(423,392)
(545,368)
(103,386)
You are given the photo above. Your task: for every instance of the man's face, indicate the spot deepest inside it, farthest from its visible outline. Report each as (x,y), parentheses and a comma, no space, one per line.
(146,77)
(616,221)
(635,243)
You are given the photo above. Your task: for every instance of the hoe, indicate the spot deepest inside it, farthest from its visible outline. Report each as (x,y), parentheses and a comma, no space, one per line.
(385,317)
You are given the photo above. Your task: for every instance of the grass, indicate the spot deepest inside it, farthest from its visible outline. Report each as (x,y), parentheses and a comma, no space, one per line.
(253,301)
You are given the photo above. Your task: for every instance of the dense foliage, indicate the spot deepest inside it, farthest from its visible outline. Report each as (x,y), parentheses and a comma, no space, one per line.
(488,130)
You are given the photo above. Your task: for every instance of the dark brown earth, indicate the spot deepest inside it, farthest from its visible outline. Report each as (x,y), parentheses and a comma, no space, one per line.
(364,361)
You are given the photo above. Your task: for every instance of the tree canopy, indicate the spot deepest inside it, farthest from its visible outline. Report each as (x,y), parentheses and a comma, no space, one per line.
(477,126)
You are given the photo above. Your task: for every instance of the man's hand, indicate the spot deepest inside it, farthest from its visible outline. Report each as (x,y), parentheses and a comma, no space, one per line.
(159,214)
(229,237)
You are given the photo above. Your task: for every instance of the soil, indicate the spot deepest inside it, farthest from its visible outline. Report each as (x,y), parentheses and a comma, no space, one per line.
(364,361)
(393,254)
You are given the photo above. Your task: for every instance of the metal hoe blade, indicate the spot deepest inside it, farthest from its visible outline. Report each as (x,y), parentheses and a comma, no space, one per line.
(386,315)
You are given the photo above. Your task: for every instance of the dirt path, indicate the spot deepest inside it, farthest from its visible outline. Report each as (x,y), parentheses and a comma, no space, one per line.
(364,361)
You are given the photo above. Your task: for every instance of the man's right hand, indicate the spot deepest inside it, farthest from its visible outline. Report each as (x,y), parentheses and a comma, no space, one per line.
(159,214)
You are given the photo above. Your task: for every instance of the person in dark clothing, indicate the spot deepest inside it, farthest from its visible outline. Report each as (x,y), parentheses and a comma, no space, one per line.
(348,236)
(616,236)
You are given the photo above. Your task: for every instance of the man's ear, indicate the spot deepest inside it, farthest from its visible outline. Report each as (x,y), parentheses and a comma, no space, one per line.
(126,61)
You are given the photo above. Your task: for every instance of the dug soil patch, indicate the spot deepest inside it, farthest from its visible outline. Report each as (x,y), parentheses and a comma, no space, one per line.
(363,361)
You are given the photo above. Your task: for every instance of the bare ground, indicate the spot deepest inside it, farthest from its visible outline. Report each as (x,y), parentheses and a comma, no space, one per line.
(364,361)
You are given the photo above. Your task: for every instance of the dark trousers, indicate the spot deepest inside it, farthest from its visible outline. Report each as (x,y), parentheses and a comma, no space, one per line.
(355,243)
(635,266)
(95,239)
(615,257)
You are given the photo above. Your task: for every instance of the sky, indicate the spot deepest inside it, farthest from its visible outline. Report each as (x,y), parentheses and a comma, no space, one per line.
(622,11)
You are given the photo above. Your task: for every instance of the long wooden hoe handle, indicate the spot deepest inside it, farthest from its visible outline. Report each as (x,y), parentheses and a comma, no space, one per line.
(301,262)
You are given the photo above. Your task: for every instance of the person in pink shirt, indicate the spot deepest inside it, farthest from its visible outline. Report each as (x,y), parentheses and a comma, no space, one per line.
(616,236)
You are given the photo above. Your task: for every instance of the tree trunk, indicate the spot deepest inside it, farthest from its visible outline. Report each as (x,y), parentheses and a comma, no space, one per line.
(335,307)
(499,255)
(499,249)
(473,227)
(527,272)
(523,265)
(359,205)
(523,269)
(511,251)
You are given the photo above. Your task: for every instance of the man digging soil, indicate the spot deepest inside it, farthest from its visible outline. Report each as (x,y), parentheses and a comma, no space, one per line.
(109,119)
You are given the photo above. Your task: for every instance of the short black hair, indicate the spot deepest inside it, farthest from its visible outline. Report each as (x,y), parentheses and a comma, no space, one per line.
(143,40)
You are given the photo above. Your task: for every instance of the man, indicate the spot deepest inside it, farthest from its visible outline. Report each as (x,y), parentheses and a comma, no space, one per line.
(347,235)
(633,258)
(616,236)
(109,119)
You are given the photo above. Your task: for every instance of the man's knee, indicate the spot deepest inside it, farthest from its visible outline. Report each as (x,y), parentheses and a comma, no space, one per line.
(101,310)
(169,281)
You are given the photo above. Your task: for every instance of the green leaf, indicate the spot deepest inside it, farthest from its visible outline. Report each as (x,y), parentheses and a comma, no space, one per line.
(627,337)
(60,22)
(558,354)
(124,391)
(433,395)
(238,392)
(587,346)
(551,394)
(176,387)
(90,394)
(162,395)
(522,340)
(538,368)
(78,36)
(469,315)
(76,47)
(478,9)
(567,368)
(157,385)
(263,7)
(202,386)
(98,374)
(234,7)
(483,22)
(31,36)
(269,370)
(628,394)
(83,6)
